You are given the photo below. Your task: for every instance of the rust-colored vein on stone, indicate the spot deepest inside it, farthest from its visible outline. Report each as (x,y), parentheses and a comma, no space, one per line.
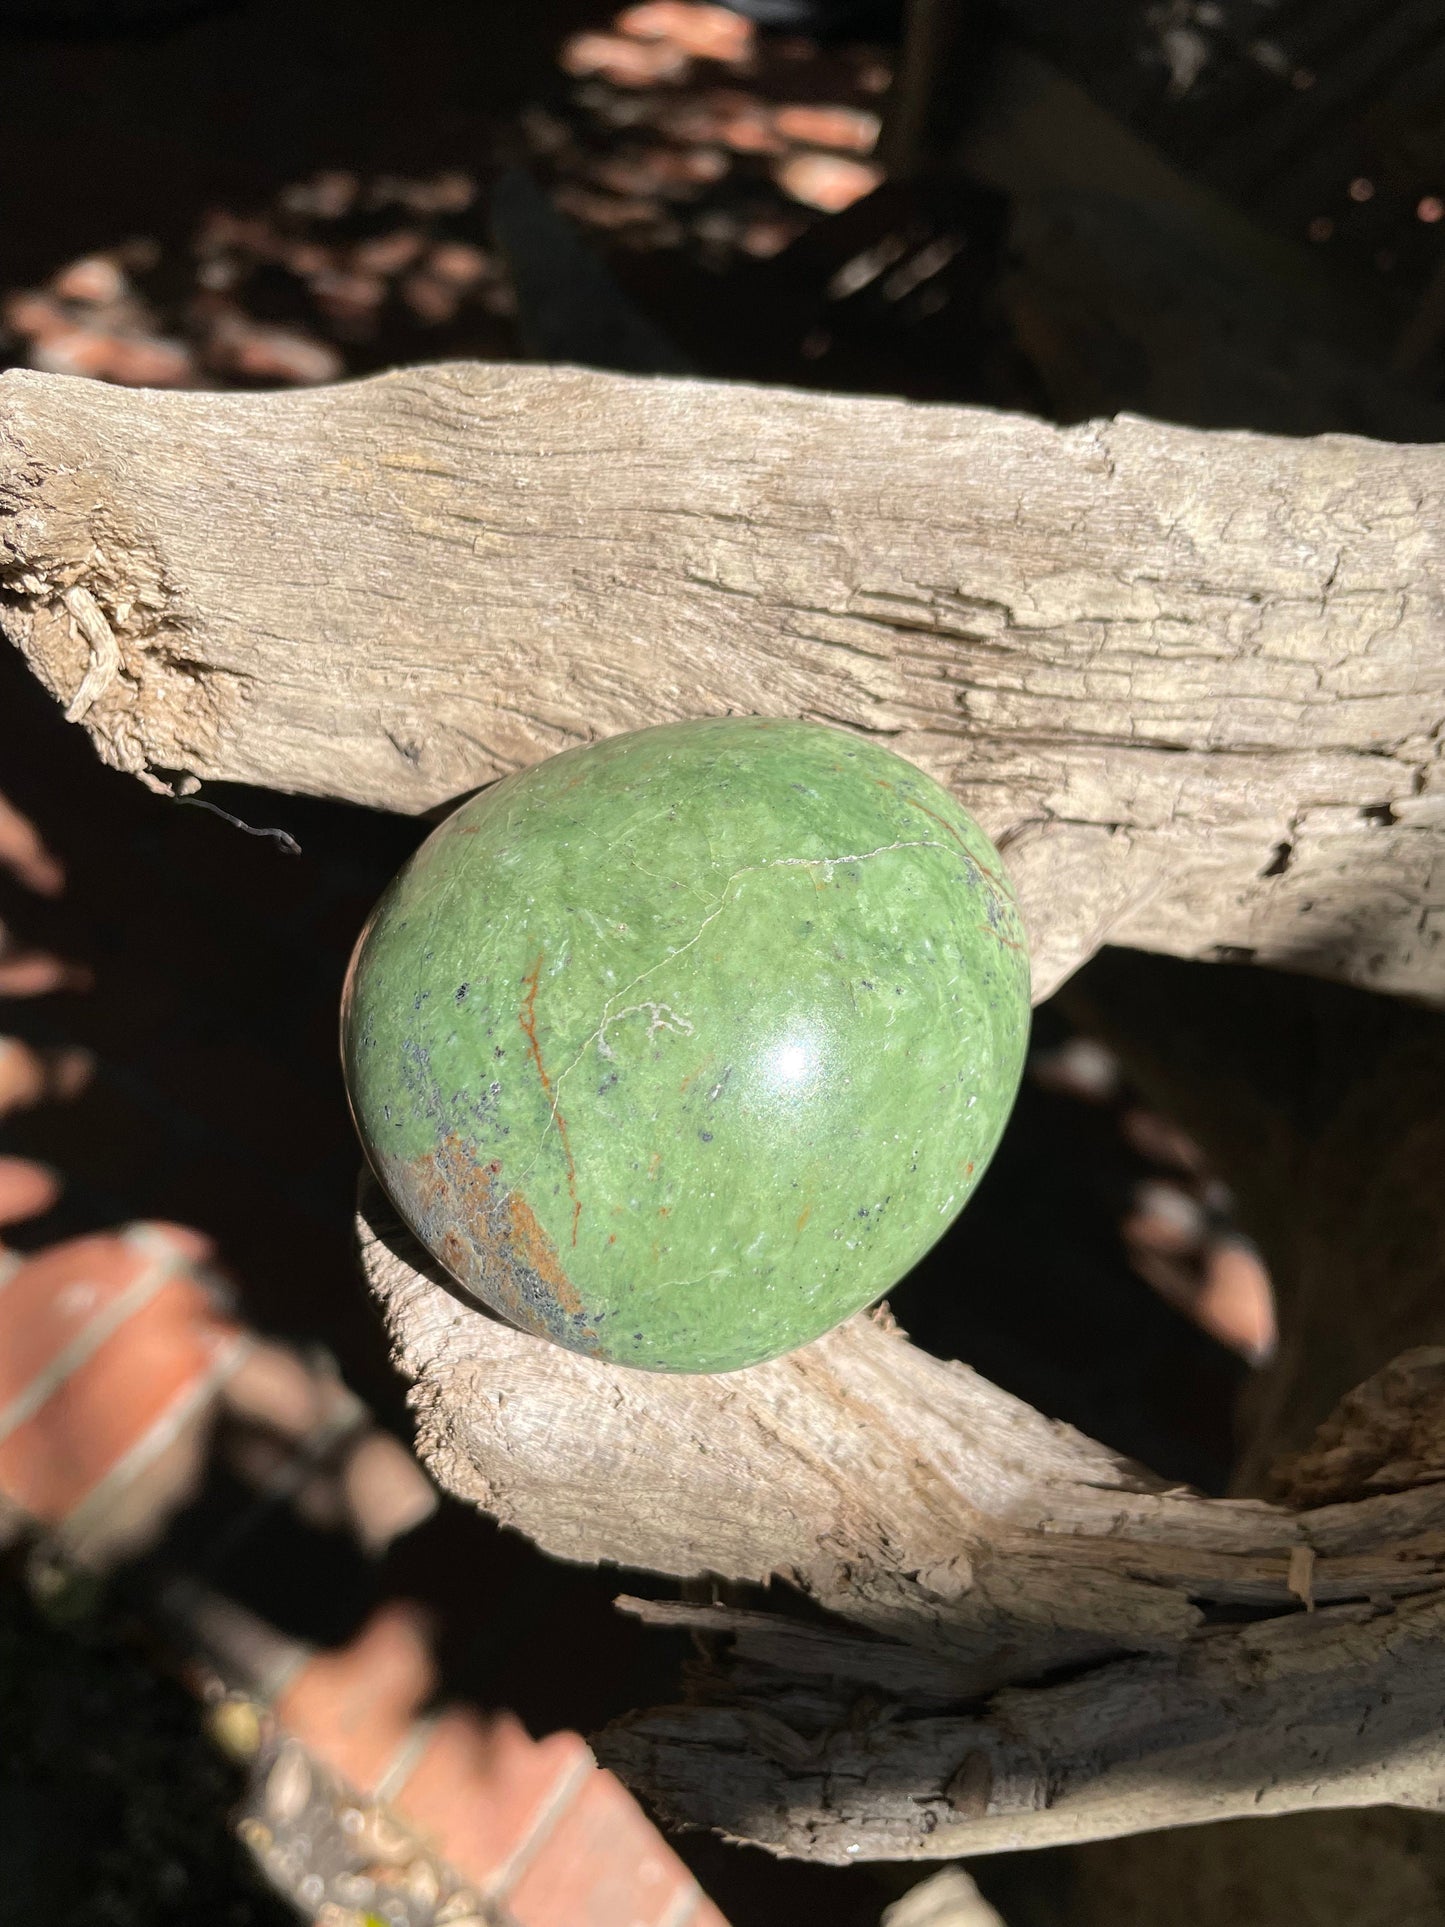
(528,1016)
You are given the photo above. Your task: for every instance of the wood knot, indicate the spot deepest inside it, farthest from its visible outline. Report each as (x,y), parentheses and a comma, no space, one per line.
(970,1789)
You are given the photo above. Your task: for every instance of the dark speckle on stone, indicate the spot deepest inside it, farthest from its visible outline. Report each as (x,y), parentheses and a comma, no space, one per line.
(462,990)
(706,1136)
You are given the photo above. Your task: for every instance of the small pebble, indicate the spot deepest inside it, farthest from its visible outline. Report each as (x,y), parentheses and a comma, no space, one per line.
(827,182)
(1164,1218)
(1236,1300)
(325,196)
(849,128)
(705,32)
(355,1889)
(143,361)
(94,280)
(288,1785)
(626,63)
(241,347)
(1161,1141)
(236,1727)
(388,254)
(380,1837)
(422,1884)
(1081,1067)
(459,265)
(430,300)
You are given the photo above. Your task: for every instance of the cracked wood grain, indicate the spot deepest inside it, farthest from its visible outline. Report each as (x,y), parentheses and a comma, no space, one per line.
(1193,683)
(903,1492)
(1034,1641)
(1337,1709)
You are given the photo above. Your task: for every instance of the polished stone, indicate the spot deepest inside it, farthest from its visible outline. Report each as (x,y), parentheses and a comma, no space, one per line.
(680,1047)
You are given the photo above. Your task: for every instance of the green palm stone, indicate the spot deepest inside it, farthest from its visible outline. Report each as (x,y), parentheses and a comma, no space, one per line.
(681,1047)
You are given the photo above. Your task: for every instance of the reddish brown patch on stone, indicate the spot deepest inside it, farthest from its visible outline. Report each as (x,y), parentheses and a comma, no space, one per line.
(529,1028)
(539,1254)
(1007,942)
(664,1211)
(803,1217)
(942,822)
(492,1240)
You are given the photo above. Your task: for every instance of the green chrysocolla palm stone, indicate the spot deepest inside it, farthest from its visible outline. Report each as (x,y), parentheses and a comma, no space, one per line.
(681,1047)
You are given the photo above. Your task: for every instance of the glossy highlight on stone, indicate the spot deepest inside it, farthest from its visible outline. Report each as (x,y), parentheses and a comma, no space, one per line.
(681,1047)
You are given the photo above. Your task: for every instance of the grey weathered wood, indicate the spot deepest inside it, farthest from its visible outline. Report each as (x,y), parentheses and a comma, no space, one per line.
(1194,683)
(971,1544)
(1338,1710)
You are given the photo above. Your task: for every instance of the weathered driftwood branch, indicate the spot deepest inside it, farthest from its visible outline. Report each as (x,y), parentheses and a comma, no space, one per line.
(1338,1710)
(973,1544)
(1194,683)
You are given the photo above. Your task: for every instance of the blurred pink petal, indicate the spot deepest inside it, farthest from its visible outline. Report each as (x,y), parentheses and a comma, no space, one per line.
(626,63)
(707,33)
(1236,1301)
(93,279)
(849,128)
(26,1189)
(24,855)
(826,181)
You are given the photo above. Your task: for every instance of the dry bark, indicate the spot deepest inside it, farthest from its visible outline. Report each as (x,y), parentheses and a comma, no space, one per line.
(970,1544)
(1194,683)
